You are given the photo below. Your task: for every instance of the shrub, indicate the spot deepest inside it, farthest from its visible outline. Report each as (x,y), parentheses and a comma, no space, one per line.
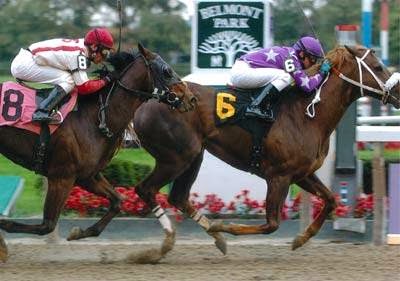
(125,173)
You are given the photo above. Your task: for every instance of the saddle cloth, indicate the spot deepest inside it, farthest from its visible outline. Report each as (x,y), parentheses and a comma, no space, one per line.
(17,104)
(231,104)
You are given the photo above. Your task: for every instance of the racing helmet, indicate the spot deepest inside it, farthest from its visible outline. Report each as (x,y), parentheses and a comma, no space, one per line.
(310,45)
(99,36)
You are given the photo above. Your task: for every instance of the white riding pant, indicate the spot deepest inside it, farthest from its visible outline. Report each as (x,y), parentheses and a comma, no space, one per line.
(25,68)
(244,76)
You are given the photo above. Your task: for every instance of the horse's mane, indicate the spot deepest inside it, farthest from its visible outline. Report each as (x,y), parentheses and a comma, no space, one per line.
(121,60)
(336,56)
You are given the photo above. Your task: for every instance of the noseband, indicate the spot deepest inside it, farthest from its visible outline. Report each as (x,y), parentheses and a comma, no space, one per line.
(361,63)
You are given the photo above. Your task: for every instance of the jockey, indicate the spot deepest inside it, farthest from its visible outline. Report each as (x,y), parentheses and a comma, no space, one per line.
(392,81)
(63,63)
(276,68)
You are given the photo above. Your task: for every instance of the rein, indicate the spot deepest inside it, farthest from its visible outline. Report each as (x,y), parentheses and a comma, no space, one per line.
(360,62)
(169,97)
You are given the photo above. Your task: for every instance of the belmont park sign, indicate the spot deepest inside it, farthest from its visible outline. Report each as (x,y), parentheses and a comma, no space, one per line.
(225,30)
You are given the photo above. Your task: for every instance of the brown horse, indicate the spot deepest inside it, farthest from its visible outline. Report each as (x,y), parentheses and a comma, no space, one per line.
(293,150)
(78,150)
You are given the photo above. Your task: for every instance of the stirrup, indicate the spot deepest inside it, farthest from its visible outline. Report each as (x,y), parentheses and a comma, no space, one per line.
(47,117)
(267,115)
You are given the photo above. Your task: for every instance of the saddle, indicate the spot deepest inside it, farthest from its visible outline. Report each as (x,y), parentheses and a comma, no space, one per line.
(19,101)
(230,108)
(17,104)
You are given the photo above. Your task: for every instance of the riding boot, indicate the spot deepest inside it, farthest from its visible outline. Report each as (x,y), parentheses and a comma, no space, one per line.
(256,110)
(43,112)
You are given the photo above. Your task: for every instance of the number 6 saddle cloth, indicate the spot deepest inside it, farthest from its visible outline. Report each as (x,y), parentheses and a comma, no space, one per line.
(231,104)
(17,104)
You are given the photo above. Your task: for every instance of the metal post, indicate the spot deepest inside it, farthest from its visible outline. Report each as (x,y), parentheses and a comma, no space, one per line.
(305,210)
(379,191)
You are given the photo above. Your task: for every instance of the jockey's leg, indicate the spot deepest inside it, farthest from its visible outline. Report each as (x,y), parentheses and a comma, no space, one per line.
(43,112)
(260,109)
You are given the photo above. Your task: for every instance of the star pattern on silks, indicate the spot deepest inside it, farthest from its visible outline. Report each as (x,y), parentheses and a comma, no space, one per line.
(305,82)
(271,55)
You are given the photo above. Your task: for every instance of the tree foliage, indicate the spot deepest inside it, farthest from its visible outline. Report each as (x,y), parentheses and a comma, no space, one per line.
(155,23)
(290,23)
(159,26)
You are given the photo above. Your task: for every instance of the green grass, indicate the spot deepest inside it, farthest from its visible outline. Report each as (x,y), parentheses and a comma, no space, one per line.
(389,155)
(30,202)
(135,155)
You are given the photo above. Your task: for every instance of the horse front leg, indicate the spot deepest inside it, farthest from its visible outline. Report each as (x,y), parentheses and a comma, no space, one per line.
(57,193)
(162,174)
(99,186)
(313,185)
(278,188)
(179,197)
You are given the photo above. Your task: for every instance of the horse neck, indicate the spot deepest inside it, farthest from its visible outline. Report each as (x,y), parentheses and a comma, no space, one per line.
(122,107)
(336,96)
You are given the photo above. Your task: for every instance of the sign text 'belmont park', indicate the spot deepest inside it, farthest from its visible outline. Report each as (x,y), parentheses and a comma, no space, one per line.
(226,30)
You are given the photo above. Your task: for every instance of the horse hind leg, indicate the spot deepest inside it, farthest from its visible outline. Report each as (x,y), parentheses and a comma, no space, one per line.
(3,250)
(313,185)
(179,197)
(278,188)
(99,186)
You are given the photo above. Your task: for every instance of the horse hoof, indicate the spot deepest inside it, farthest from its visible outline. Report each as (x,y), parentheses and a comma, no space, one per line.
(75,233)
(220,242)
(168,243)
(299,241)
(3,250)
(216,226)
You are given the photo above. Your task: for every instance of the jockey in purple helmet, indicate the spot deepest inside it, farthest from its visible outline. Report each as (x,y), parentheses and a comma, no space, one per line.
(276,68)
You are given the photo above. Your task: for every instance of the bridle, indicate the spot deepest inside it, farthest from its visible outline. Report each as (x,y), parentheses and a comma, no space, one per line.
(165,95)
(385,94)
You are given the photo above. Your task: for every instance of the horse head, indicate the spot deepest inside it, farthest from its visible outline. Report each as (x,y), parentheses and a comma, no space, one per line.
(359,66)
(157,79)
(168,81)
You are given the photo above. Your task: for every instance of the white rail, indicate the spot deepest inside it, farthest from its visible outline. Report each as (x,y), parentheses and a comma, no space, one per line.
(378,120)
(378,133)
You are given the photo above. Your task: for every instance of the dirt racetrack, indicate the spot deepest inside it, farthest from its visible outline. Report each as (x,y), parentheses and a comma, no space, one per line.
(190,260)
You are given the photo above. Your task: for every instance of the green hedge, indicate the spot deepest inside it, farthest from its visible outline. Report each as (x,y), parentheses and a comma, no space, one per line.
(126,173)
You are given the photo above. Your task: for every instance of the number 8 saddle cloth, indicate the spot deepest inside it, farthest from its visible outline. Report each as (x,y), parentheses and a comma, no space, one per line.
(17,104)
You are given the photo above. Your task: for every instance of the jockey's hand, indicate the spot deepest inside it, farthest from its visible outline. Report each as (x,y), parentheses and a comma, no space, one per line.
(392,81)
(111,76)
(101,72)
(325,67)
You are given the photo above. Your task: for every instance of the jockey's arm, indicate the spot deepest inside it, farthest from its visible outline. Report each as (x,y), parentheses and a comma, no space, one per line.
(305,82)
(86,86)
(392,81)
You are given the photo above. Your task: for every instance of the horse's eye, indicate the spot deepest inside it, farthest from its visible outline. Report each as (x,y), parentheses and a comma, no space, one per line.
(167,71)
(378,68)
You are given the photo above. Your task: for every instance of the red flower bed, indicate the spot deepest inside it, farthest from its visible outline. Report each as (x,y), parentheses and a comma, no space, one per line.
(364,206)
(88,204)
(317,205)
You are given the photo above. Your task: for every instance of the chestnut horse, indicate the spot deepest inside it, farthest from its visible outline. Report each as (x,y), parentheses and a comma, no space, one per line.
(78,150)
(293,150)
